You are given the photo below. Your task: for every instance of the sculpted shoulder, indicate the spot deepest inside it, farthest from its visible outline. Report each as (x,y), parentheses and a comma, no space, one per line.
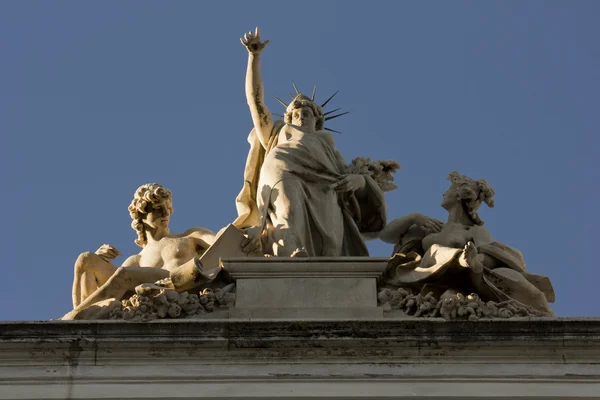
(289,131)
(206,236)
(132,261)
(481,235)
(328,137)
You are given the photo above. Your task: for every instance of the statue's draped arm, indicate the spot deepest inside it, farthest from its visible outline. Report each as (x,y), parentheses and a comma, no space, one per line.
(396,229)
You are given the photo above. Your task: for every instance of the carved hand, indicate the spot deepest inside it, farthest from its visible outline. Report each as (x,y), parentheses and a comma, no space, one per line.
(107,252)
(349,183)
(428,225)
(252,42)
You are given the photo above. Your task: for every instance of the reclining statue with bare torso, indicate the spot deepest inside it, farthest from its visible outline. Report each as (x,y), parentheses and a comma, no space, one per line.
(99,285)
(460,255)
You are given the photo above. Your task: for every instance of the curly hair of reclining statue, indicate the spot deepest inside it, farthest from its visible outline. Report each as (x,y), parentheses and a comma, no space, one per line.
(146,196)
(472,193)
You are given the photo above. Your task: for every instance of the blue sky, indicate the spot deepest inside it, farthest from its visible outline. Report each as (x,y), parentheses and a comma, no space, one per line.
(97,98)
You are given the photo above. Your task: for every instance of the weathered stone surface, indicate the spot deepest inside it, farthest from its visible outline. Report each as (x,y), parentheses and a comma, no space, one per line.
(537,358)
(306,288)
(306,292)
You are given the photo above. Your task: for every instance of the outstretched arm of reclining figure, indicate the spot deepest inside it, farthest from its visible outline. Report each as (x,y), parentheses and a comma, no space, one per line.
(394,231)
(123,280)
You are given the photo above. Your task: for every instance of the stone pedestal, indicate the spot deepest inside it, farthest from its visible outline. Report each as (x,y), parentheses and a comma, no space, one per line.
(305,288)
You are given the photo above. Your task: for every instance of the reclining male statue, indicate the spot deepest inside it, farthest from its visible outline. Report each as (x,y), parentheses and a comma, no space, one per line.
(99,286)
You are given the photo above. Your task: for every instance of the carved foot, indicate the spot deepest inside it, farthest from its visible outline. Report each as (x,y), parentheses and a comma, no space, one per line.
(300,253)
(469,258)
(99,310)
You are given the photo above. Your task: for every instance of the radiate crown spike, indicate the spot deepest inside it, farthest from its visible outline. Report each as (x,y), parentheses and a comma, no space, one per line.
(332,111)
(296,89)
(335,116)
(327,101)
(280,101)
(314,92)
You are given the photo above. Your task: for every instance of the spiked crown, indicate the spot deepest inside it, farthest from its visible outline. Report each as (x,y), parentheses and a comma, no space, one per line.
(300,100)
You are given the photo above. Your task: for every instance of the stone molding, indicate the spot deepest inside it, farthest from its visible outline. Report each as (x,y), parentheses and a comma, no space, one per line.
(293,267)
(529,358)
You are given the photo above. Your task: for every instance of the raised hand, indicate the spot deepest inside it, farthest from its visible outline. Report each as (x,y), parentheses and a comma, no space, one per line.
(252,42)
(107,252)
(432,226)
(349,183)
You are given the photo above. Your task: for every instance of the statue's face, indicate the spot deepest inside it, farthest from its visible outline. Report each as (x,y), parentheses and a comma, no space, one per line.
(450,197)
(158,215)
(304,117)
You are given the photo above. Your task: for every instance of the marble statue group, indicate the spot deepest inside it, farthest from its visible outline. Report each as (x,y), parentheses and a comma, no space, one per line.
(301,198)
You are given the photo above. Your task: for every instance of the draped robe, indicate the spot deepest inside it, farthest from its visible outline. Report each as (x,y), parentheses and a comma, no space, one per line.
(507,280)
(287,193)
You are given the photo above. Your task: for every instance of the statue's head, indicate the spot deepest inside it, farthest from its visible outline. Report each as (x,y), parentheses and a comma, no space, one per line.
(151,207)
(303,111)
(469,193)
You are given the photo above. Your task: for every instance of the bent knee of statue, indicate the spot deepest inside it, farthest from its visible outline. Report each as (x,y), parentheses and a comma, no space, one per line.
(85,260)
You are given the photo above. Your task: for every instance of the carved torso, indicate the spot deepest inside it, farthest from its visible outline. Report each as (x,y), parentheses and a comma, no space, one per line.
(457,235)
(170,252)
(309,156)
(291,133)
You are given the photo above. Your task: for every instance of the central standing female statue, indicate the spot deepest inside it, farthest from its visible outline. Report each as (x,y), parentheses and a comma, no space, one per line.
(297,198)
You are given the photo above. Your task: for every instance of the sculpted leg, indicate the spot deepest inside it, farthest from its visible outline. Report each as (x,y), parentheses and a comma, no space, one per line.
(471,259)
(123,280)
(91,272)
(474,261)
(288,219)
(306,220)
(520,288)
(505,283)
(99,310)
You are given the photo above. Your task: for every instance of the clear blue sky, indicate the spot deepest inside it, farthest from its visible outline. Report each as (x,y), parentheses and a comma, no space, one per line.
(97,98)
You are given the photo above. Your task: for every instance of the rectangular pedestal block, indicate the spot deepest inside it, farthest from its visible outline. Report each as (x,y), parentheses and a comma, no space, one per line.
(306,288)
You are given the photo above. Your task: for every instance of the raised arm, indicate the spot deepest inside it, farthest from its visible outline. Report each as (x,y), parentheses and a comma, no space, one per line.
(394,231)
(261,116)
